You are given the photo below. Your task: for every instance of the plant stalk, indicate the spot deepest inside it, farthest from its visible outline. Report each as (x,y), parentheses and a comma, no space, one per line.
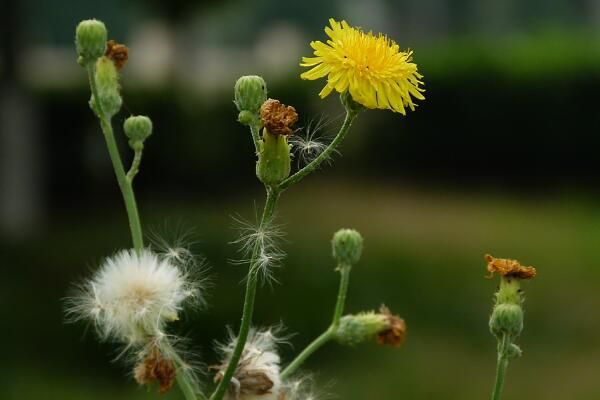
(501,369)
(125,184)
(251,285)
(330,332)
(314,164)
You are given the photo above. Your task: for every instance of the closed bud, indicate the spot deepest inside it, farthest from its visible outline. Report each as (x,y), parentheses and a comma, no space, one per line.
(386,328)
(107,82)
(137,129)
(274,159)
(250,93)
(506,319)
(90,40)
(347,245)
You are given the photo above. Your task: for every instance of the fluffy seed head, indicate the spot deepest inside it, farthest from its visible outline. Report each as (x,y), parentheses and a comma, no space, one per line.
(133,296)
(257,374)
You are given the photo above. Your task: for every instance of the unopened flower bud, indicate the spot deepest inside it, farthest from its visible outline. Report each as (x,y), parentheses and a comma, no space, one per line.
(347,245)
(274,159)
(250,93)
(506,319)
(137,129)
(90,40)
(387,328)
(107,82)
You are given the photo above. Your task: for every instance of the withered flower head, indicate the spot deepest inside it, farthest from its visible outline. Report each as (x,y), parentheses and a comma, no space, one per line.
(278,118)
(508,268)
(118,53)
(394,336)
(156,368)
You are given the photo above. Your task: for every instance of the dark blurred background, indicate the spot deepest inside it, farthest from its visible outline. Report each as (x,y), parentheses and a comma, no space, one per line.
(501,157)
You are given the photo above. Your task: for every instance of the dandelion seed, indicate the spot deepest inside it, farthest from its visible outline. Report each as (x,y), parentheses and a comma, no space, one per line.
(133,296)
(312,142)
(257,373)
(372,68)
(267,239)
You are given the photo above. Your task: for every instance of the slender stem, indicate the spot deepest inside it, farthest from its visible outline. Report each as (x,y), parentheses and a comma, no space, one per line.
(185,379)
(341,299)
(307,352)
(255,130)
(501,369)
(135,165)
(251,284)
(124,183)
(330,332)
(292,180)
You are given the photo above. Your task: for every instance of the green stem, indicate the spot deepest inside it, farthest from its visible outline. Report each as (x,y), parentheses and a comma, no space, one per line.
(185,379)
(135,165)
(292,180)
(307,352)
(124,183)
(501,369)
(330,332)
(341,299)
(255,130)
(251,284)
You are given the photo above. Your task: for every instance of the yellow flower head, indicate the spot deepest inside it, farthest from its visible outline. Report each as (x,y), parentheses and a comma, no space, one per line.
(372,68)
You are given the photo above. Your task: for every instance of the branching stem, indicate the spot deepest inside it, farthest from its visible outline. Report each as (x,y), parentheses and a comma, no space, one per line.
(125,185)
(330,332)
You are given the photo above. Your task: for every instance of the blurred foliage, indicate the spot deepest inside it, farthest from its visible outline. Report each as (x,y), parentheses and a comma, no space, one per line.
(423,258)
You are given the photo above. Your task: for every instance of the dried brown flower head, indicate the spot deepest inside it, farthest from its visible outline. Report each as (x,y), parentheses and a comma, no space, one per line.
(277,117)
(118,53)
(156,368)
(508,268)
(395,335)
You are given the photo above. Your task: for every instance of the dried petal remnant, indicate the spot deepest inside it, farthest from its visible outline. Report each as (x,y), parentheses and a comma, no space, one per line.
(394,336)
(509,268)
(118,53)
(156,368)
(278,118)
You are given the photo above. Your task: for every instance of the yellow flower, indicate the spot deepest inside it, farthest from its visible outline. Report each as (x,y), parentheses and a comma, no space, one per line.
(372,68)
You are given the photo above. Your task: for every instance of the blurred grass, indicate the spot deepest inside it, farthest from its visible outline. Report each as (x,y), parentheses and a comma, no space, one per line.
(423,258)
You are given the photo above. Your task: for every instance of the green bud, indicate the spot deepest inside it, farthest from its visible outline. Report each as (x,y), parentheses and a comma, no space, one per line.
(90,40)
(507,319)
(349,103)
(107,82)
(347,245)
(355,329)
(137,128)
(274,159)
(250,93)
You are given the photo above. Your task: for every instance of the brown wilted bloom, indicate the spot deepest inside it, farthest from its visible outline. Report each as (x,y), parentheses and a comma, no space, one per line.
(118,53)
(278,118)
(394,336)
(156,368)
(508,268)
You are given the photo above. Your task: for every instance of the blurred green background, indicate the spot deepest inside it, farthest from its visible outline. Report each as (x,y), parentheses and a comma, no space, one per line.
(501,157)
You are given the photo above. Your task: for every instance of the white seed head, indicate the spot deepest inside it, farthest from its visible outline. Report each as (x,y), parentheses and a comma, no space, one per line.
(133,295)
(257,374)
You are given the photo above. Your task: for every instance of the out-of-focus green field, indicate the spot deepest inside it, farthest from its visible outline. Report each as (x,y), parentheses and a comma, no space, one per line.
(423,258)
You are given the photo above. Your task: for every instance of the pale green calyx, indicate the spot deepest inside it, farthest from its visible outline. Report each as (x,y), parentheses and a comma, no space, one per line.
(355,329)
(250,93)
(507,319)
(90,40)
(349,103)
(274,159)
(107,81)
(347,245)
(137,129)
